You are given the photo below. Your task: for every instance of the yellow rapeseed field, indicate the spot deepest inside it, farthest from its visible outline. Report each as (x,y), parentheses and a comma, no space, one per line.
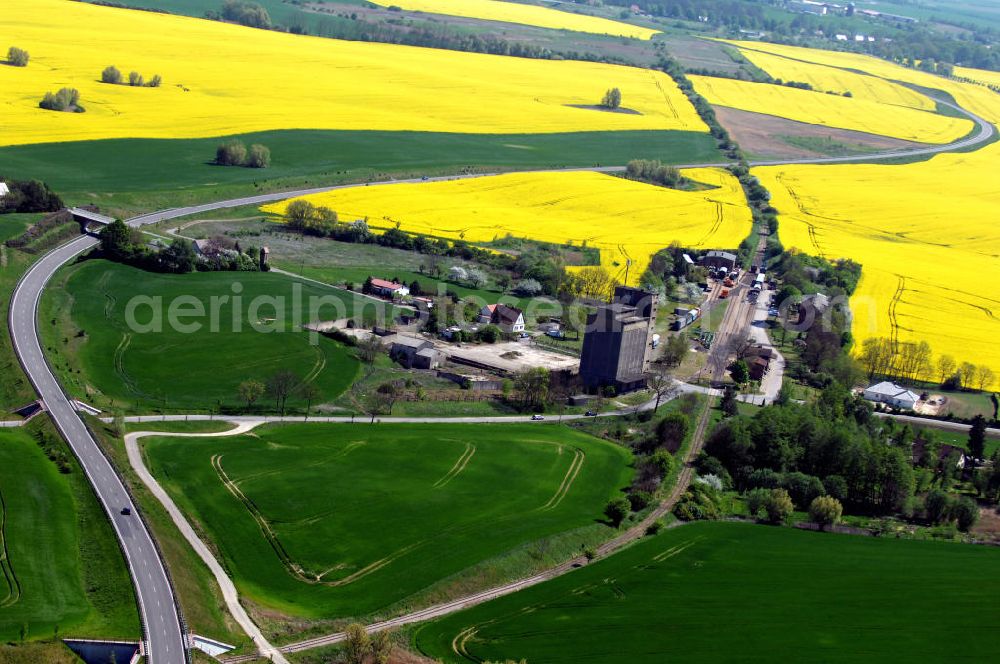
(974,98)
(979,75)
(926,235)
(832,110)
(512,12)
(624,219)
(223,79)
(795,66)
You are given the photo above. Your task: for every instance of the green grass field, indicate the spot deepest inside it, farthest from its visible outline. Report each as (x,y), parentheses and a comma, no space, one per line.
(60,566)
(327,521)
(724,592)
(130,175)
(102,359)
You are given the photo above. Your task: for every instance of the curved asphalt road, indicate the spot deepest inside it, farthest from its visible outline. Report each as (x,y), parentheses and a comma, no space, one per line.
(162,623)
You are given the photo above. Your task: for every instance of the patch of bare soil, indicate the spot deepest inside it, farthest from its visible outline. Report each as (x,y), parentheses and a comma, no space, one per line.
(768,137)
(988,527)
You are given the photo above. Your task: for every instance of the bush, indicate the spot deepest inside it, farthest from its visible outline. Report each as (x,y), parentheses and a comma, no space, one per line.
(699,502)
(17,57)
(825,511)
(655,527)
(639,500)
(136,80)
(66,100)
(111,75)
(616,511)
(778,506)
(802,488)
(755,501)
(258,157)
(231,153)
(965,512)
(155,81)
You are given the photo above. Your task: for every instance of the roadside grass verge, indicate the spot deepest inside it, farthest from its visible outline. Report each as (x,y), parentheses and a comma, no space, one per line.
(63,573)
(330,521)
(15,390)
(201,601)
(663,598)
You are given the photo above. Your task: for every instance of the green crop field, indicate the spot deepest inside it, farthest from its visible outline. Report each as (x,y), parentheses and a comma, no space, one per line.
(103,359)
(337,520)
(723,592)
(136,174)
(60,567)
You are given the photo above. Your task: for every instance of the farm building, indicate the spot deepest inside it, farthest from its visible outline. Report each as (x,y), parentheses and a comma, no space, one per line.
(892,395)
(508,319)
(719,259)
(414,353)
(389,289)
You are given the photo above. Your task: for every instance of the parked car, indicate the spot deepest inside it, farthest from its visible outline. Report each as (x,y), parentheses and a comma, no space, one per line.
(591,413)
(537,417)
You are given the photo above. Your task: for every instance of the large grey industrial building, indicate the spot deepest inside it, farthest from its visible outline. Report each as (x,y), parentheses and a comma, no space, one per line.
(617,340)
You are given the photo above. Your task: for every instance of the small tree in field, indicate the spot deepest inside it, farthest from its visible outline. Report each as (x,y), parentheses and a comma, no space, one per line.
(136,80)
(111,75)
(279,387)
(155,81)
(250,391)
(259,156)
(310,393)
(612,99)
(825,510)
(17,57)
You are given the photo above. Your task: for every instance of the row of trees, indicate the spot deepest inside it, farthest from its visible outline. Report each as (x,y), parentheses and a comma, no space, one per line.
(280,386)
(654,172)
(29,196)
(17,57)
(249,14)
(911,361)
(536,264)
(113,76)
(66,100)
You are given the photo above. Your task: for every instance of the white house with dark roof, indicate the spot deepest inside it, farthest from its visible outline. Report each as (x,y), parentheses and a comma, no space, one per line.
(892,395)
(508,319)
